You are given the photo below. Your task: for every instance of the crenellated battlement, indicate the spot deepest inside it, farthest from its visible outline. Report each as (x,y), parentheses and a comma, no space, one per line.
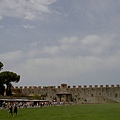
(65,86)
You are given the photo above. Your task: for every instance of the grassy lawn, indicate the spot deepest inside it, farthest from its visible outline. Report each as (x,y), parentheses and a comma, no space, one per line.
(72,112)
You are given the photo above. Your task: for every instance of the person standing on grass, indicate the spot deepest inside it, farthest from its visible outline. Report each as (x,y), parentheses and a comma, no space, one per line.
(15,109)
(10,112)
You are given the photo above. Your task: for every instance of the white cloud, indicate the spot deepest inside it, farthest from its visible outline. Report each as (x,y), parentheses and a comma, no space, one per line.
(27,9)
(11,56)
(70,40)
(33,53)
(28,26)
(47,70)
(99,45)
(91,39)
(30,16)
(93,45)
(51,50)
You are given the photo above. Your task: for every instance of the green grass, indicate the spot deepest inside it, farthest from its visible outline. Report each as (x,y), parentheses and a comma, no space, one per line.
(72,112)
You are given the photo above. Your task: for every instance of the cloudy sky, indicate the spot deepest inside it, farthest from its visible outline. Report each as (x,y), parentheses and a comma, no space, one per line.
(49,42)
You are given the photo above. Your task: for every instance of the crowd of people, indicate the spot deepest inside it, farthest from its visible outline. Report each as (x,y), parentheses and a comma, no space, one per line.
(14,106)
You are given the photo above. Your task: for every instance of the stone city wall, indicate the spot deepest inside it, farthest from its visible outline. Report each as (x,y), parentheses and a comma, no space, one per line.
(77,94)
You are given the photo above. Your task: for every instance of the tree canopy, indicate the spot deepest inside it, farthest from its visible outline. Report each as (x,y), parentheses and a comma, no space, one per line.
(1,65)
(6,78)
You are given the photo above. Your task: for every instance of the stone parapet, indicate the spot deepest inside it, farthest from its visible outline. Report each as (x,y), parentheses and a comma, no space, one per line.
(65,86)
